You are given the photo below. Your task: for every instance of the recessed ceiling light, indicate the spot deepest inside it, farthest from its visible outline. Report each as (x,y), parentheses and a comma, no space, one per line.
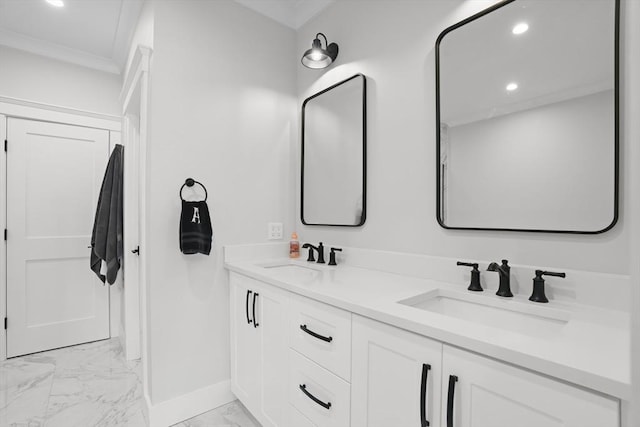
(512,86)
(55,3)
(520,28)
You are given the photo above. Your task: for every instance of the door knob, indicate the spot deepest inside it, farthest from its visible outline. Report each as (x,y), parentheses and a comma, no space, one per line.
(136,250)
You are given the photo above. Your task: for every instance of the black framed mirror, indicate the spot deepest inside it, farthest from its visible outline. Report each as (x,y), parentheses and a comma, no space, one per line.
(527,111)
(333,163)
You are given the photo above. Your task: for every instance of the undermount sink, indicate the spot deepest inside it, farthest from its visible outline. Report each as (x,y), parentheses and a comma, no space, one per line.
(490,310)
(292,271)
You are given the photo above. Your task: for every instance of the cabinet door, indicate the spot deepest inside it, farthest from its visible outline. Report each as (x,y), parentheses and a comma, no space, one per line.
(245,344)
(489,393)
(395,377)
(272,324)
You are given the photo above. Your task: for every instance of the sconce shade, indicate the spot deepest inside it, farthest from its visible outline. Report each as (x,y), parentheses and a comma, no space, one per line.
(317,57)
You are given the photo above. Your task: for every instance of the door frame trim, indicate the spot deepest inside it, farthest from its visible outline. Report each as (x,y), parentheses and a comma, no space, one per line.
(134,99)
(22,109)
(3,244)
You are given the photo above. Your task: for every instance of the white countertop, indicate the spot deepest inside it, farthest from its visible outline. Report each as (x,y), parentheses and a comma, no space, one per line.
(591,350)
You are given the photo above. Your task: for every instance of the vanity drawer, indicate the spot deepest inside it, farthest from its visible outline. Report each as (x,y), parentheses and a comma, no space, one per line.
(296,419)
(319,395)
(322,333)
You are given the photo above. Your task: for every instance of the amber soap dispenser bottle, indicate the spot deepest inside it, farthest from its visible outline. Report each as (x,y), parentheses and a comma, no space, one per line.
(294,246)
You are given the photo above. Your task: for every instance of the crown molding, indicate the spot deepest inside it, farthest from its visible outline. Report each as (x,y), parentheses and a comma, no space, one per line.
(128,16)
(55,51)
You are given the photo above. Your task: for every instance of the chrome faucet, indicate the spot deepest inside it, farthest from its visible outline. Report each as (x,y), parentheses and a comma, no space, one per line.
(504,289)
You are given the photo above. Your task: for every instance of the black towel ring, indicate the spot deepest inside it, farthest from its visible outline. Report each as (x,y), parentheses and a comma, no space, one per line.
(189,183)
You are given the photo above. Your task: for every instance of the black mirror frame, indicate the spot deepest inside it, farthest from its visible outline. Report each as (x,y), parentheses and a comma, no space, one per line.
(363,217)
(616,128)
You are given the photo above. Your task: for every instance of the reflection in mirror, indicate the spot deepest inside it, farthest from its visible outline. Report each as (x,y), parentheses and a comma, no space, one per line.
(333,155)
(527,111)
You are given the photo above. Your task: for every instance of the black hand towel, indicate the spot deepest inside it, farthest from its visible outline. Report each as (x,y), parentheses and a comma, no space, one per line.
(195,228)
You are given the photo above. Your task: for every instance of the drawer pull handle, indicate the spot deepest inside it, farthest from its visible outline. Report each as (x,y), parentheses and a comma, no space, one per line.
(453,379)
(255,321)
(423,395)
(327,405)
(315,335)
(246,306)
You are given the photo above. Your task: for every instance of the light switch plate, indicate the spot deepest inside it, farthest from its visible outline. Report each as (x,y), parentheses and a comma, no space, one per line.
(274,231)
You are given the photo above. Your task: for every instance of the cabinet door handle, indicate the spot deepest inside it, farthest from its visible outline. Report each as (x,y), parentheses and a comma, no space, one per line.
(453,379)
(315,335)
(423,395)
(327,405)
(255,321)
(246,306)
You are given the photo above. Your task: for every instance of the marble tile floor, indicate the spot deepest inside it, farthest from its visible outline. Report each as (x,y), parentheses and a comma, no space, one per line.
(80,386)
(89,385)
(230,415)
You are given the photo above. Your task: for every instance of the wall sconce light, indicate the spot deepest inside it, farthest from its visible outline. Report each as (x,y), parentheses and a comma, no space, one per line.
(317,57)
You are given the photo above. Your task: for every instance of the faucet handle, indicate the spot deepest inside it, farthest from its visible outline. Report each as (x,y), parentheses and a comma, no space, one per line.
(540,273)
(320,253)
(468,264)
(538,294)
(475,285)
(332,255)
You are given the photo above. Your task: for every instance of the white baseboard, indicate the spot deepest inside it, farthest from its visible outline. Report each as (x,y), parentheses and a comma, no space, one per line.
(170,412)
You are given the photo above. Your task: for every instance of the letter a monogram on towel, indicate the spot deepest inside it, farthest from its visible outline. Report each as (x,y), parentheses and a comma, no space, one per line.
(196,215)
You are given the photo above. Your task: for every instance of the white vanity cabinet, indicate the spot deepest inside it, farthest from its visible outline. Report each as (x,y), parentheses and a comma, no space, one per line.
(259,348)
(489,393)
(298,362)
(462,389)
(395,377)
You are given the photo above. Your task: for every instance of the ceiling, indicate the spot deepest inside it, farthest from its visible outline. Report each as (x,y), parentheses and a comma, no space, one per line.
(97,33)
(91,33)
(292,13)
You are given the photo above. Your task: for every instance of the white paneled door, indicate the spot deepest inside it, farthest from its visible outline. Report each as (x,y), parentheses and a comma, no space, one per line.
(54,174)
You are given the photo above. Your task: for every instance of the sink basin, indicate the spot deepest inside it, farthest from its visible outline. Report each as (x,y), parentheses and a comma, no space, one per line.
(490,310)
(292,272)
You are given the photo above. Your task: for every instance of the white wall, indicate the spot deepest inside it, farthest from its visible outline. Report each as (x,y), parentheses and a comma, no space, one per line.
(35,78)
(548,168)
(392,43)
(222,111)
